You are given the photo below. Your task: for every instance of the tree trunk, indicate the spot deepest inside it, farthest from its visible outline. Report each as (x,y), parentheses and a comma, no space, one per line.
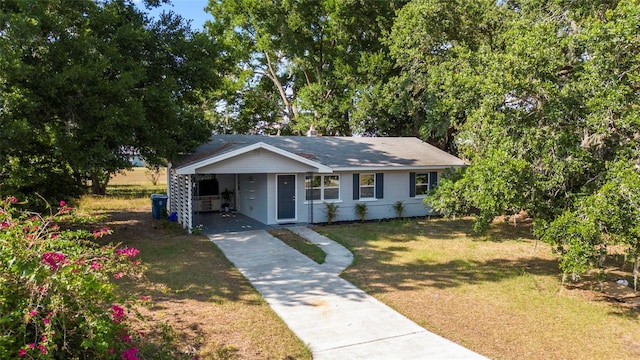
(99,182)
(635,273)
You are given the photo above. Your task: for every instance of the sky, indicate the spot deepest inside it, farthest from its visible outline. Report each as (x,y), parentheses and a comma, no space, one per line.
(189,9)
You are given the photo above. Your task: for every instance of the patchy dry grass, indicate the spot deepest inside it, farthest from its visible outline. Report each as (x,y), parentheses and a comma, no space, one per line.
(136,184)
(499,294)
(200,304)
(212,310)
(306,247)
(138,177)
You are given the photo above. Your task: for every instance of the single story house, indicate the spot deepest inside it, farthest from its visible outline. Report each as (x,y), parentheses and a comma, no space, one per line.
(289,179)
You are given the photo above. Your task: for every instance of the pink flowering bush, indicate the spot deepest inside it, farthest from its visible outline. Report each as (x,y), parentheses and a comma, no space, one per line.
(58,289)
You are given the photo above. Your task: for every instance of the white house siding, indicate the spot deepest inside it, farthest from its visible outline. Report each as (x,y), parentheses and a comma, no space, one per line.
(396,187)
(255,162)
(251,198)
(180,189)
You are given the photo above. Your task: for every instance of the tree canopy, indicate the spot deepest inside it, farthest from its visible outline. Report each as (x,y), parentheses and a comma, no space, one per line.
(302,63)
(87,84)
(543,97)
(539,96)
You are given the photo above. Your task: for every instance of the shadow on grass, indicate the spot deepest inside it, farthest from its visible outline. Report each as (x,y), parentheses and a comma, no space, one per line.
(389,256)
(454,273)
(412,229)
(179,265)
(376,268)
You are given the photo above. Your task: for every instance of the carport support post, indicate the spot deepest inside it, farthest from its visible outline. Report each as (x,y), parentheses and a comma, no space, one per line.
(195,186)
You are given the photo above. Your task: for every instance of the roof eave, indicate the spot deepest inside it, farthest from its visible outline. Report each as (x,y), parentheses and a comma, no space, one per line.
(191,168)
(398,167)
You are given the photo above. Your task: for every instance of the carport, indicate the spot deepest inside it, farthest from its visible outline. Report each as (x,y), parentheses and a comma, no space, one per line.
(263,182)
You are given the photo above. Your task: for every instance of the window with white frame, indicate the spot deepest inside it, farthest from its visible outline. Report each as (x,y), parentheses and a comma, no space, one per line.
(367,186)
(422,184)
(322,187)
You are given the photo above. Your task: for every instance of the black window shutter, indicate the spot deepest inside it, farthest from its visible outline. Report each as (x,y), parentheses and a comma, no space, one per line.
(412,184)
(379,185)
(433,180)
(356,186)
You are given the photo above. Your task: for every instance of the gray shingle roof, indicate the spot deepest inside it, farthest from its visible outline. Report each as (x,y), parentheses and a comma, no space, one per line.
(335,152)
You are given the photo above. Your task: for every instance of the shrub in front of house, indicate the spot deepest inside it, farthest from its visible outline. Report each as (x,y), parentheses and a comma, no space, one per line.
(361,211)
(331,209)
(58,289)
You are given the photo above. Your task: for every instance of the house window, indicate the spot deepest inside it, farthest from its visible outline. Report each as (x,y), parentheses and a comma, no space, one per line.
(367,186)
(422,184)
(322,187)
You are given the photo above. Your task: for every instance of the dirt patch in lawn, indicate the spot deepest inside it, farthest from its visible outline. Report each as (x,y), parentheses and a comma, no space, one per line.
(199,304)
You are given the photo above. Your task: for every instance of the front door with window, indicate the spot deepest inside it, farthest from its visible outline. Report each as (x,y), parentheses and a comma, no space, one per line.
(286,197)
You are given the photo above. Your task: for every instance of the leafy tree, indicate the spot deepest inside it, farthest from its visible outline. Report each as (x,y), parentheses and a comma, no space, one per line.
(85,84)
(301,63)
(543,100)
(609,216)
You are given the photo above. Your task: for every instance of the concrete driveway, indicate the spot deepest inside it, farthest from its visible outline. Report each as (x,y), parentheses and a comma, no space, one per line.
(333,317)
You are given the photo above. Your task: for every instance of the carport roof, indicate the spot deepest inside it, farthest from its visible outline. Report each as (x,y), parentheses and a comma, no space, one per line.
(335,153)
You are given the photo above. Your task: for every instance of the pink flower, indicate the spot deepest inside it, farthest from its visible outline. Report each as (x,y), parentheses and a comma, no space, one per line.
(102,232)
(62,203)
(33,313)
(32,345)
(4,225)
(117,313)
(118,275)
(12,200)
(125,338)
(46,321)
(130,354)
(54,236)
(111,351)
(53,259)
(95,265)
(128,252)
(22,352)
(64,209)
(42,348)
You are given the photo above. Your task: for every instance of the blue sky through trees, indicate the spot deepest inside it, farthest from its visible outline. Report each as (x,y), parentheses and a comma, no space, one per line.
(189,9)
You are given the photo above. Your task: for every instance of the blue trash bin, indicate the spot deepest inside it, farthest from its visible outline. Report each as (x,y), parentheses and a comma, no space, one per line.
(158,203)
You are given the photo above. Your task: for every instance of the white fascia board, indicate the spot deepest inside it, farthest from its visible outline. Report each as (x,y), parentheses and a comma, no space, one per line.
(191,169)
(396,168)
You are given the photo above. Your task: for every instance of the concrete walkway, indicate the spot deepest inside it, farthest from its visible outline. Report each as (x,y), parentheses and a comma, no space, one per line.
(333,317)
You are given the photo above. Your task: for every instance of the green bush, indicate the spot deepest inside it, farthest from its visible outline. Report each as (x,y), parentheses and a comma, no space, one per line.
(399,207)
(361,211)
(332,211)
(58,295)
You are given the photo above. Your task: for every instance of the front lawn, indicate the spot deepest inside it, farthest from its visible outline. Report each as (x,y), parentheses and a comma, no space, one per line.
(200,305)
(499,294)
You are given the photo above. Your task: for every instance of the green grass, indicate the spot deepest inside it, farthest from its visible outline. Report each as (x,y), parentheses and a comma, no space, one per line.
(499,294)
(306,247)
(201,306)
